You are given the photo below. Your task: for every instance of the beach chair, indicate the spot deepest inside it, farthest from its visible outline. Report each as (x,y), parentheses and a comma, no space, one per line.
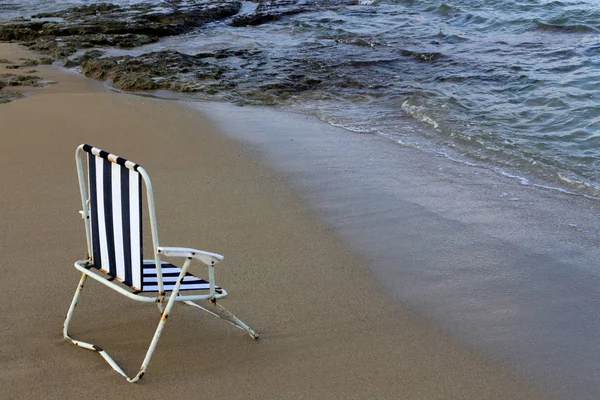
(111,195)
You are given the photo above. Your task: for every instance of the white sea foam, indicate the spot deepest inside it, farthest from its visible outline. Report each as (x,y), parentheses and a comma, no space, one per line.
(418,112)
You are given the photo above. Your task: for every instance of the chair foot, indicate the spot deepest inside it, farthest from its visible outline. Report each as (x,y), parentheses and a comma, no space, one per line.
(223,313)
(107,358)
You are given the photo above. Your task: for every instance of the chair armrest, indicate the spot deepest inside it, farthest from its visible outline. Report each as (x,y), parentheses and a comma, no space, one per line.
(204,256)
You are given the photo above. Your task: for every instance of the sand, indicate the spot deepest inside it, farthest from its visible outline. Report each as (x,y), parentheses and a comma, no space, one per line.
(327,331)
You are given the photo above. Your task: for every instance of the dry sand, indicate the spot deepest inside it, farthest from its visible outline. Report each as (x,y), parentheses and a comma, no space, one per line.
(327,331)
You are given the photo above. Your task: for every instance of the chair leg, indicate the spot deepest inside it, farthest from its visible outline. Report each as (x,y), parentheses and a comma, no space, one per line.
(107,358)
(159,329)
(73,305)
(79,343)
(225,314)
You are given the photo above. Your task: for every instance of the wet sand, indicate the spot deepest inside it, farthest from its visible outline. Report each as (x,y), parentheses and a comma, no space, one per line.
(507,268)
(327,330)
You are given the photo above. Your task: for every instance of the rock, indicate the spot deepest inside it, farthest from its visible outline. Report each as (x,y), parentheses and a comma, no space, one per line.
(19,80)
(98,68)
(274,10)
(254,19)
(238,75)
(82,11)
(28,62)
(8,96)
(111,25)
(75,62)
(165,69)
(134,81)
(20,31)
(422,56)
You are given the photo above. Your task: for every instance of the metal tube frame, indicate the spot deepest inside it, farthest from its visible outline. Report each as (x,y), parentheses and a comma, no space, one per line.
(84,266)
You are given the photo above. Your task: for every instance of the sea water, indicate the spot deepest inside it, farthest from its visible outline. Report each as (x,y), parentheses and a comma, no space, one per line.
(512,85)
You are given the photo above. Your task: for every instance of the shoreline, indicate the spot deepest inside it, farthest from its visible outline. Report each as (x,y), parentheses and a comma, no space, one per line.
(335,337)
(508,269)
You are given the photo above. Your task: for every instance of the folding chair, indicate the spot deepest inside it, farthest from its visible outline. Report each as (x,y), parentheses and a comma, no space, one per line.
(113,224)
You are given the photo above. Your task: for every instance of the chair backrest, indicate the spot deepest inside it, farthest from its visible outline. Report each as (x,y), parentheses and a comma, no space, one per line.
(115,212)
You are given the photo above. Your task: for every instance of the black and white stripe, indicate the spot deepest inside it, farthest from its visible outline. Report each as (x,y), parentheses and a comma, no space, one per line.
(170,273)
(115,187)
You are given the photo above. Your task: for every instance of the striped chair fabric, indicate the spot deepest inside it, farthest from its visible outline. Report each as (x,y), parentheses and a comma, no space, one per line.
(115,194)
(169,274)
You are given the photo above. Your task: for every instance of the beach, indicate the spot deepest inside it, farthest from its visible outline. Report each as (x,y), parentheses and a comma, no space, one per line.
(328,330)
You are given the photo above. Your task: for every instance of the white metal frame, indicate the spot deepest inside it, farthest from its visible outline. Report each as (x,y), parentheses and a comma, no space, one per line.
(210,259)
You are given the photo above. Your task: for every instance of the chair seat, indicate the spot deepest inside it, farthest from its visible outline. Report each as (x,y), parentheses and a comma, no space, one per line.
(170,273)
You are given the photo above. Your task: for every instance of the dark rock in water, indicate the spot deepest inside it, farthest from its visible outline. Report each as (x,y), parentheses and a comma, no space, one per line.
(238,75)
(108,25)
(19,80)
(225,53)
(421,56)
(255,19)
(273,10)
(82,11)
(224,71)
(127,40)
(163,19)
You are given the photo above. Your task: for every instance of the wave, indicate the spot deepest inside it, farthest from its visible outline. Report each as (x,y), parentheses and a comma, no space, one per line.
(445,9)
(419,113)
(576,28)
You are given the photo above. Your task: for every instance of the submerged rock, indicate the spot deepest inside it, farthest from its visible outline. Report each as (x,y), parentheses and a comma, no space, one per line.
(421,56)
(238,75)
(109,25)
(274,10)
(255,19)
